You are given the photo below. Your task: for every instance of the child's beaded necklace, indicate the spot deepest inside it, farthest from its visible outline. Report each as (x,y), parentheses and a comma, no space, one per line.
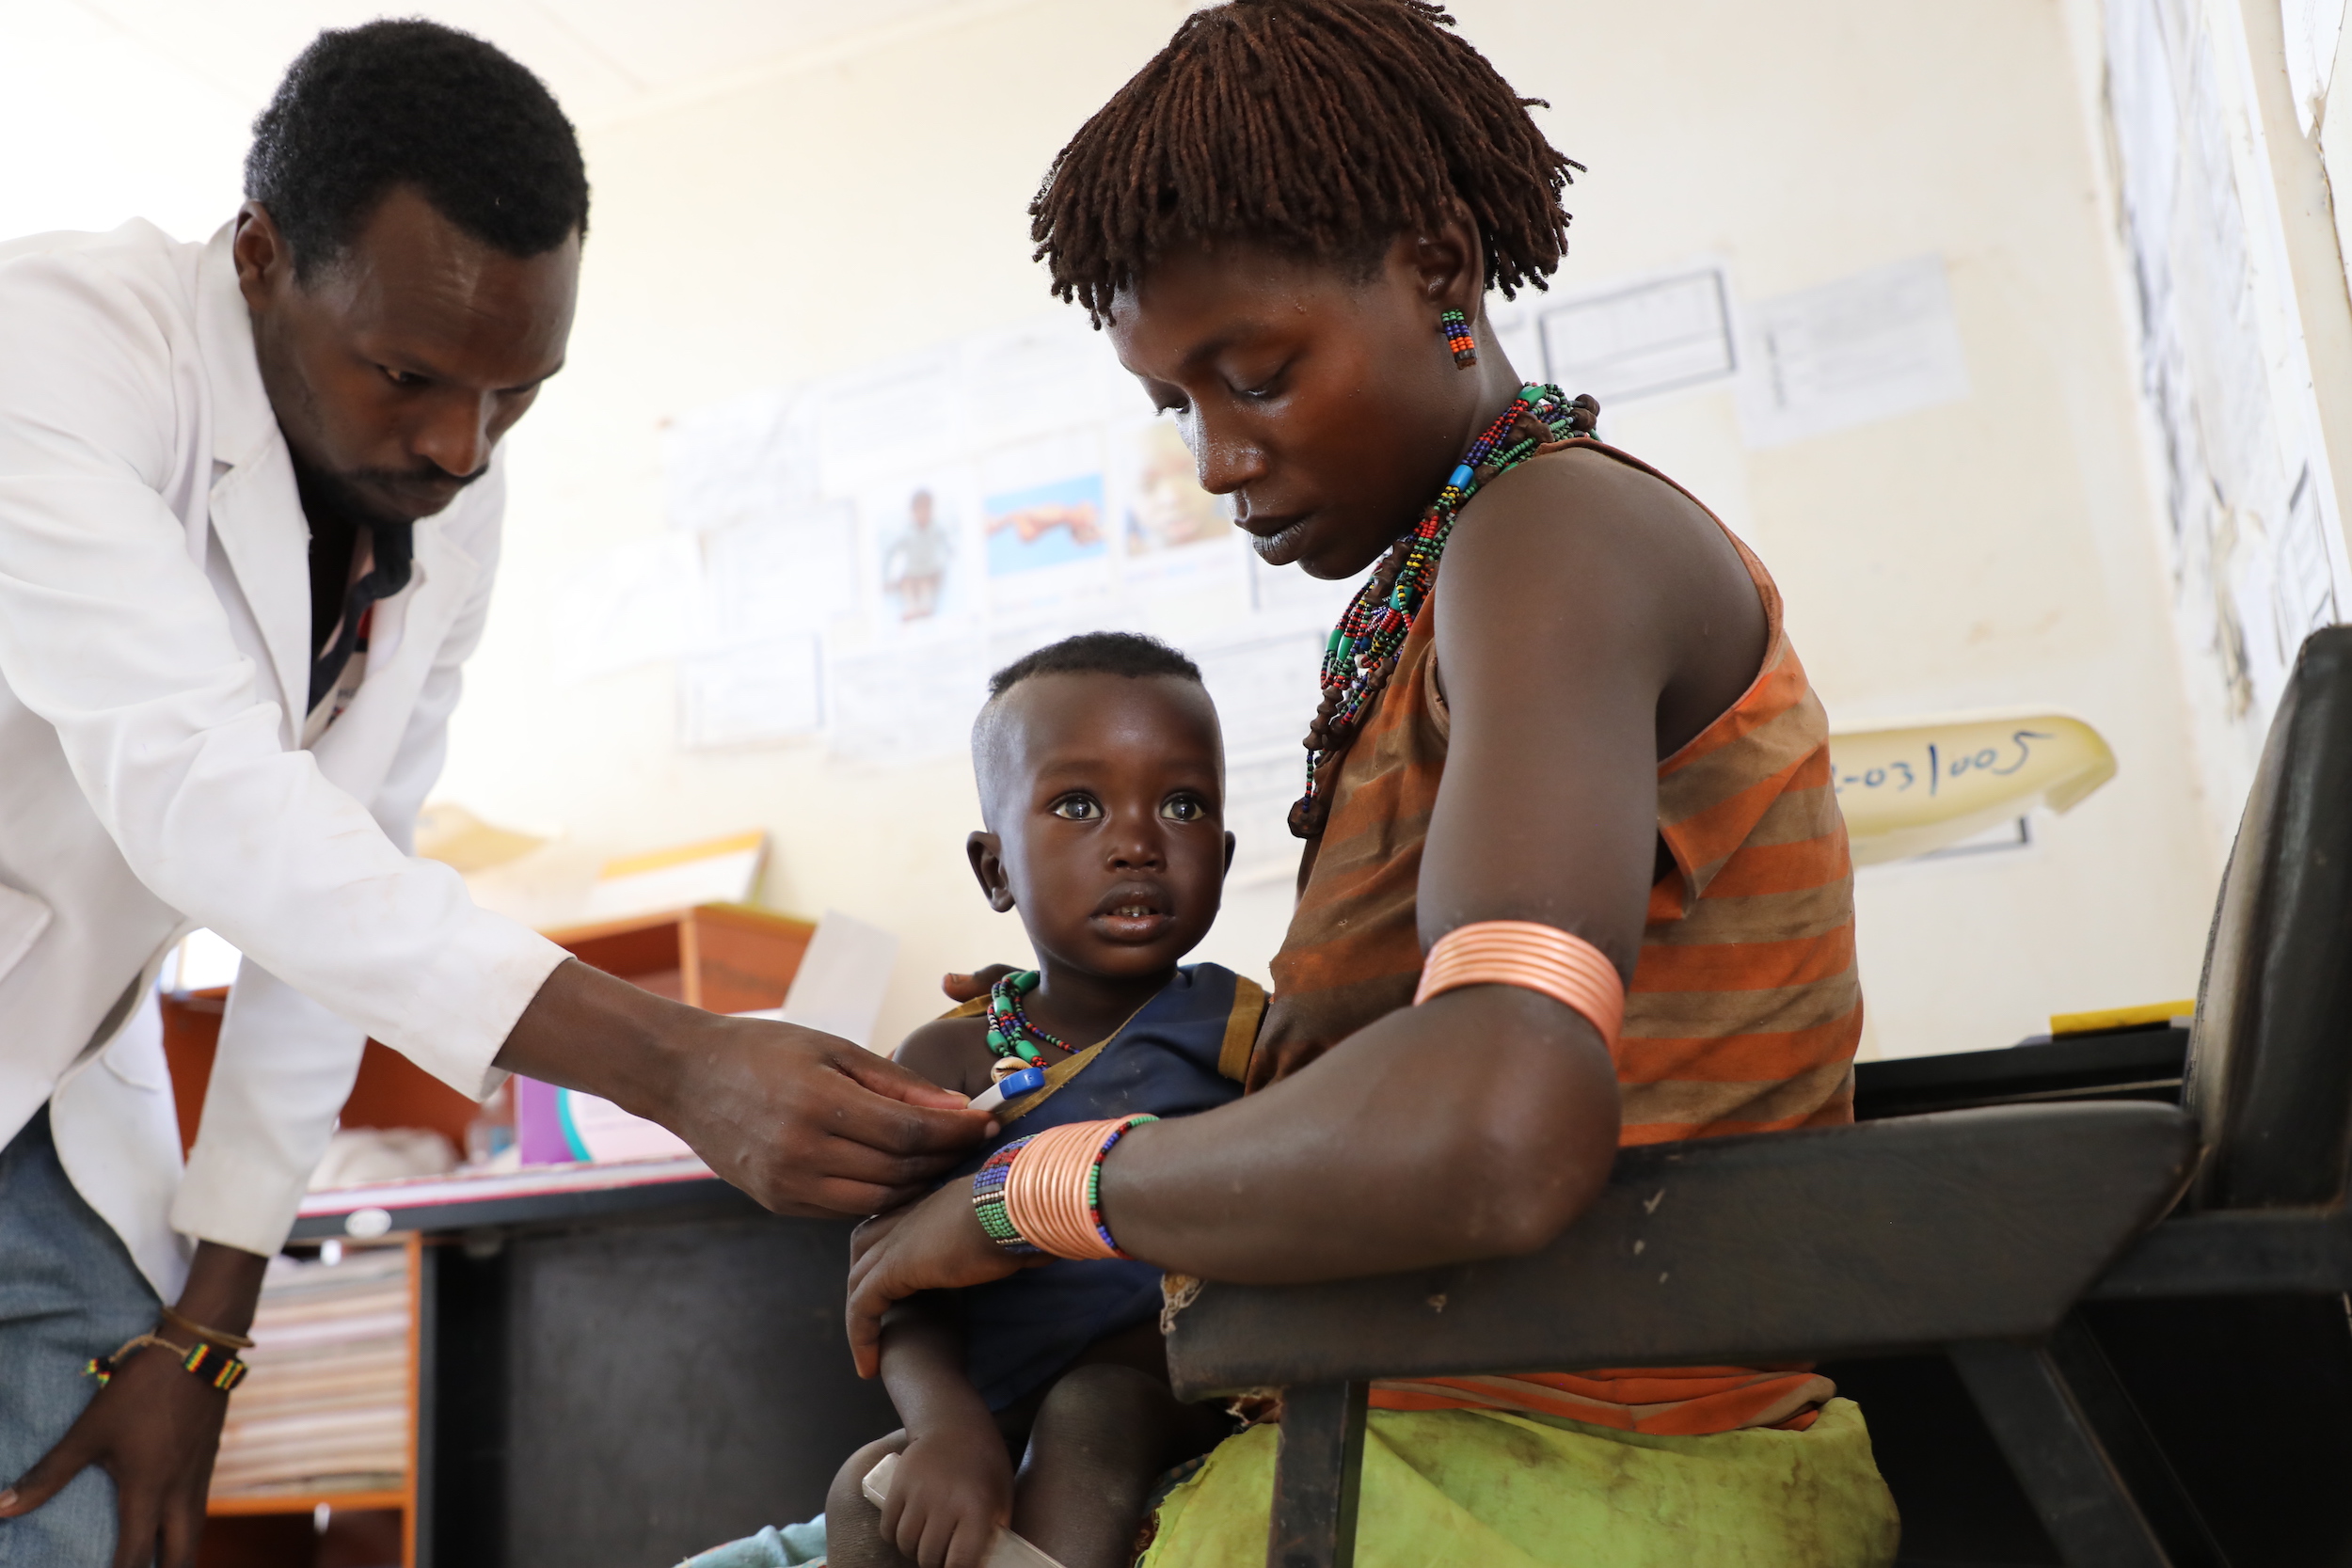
(1364,647)
(1010,1034)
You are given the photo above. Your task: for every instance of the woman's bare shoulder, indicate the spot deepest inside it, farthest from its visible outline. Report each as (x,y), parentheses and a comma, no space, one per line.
(1610,568)
(1574,502)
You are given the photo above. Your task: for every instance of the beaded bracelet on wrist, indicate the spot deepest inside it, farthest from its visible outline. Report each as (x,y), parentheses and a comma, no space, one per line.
(987,1201)
(1094,1180)
(214,1364)
(1053,1192)
(1043,1194)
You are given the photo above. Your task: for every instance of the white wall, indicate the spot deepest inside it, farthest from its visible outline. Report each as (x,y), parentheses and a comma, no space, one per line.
(101,127)
(1996,552)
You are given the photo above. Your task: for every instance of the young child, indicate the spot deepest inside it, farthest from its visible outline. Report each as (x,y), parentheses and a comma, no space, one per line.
(1100,771)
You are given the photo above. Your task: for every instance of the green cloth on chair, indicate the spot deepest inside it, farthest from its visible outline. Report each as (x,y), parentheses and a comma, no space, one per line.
(1501,1491)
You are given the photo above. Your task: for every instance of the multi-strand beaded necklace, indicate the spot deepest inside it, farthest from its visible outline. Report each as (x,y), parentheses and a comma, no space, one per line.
(1010,1034)
(1364,647)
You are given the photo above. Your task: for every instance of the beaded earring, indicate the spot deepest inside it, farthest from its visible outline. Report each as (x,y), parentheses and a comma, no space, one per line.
(1455,326)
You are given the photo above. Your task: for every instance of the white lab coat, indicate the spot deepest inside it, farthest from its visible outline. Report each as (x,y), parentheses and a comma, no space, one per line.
(154,665)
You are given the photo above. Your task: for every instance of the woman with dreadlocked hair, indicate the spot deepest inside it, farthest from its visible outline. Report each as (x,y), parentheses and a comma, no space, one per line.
(1574,873)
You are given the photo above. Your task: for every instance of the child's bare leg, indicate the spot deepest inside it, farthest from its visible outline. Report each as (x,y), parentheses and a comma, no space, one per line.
(853,1536)
(1103,1434)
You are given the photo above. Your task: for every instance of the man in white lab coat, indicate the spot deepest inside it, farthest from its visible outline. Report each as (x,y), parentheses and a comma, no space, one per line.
(250,513)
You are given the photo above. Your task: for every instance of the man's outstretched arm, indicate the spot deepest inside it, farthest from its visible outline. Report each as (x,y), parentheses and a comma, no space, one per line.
(805,1122)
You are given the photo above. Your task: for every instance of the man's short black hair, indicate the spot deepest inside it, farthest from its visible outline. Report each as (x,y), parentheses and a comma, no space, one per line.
(364,109)
(1096,653)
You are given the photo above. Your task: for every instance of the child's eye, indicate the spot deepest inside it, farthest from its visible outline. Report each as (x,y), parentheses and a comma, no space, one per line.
(1077,808)
(1185,808)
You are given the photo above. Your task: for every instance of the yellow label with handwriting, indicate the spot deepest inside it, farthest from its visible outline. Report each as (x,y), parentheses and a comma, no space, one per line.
(1911,788)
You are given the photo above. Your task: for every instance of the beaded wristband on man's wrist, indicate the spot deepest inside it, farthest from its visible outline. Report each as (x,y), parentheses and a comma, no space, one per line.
(215,1364)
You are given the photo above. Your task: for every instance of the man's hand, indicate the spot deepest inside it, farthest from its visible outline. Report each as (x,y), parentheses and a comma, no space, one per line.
(155,1427)
(811,1124)
(937,1245)
(806,1123)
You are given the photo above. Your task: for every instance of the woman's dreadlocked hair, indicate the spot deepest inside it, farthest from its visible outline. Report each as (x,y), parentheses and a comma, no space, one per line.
(1324,127)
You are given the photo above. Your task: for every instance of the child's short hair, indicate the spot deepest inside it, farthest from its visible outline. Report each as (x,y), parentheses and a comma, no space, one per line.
(1096,653)
(1324,127)
(1092,653)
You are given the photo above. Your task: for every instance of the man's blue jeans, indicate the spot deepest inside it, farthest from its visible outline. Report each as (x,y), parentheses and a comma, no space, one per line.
(67,1292)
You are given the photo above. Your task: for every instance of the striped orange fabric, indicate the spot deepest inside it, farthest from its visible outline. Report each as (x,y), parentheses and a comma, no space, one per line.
(1745,1010)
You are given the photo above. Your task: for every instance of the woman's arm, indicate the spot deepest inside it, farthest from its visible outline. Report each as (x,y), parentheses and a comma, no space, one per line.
(1589,618)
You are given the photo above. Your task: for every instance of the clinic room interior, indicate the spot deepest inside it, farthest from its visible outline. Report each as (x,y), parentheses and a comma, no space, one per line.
(2009,343)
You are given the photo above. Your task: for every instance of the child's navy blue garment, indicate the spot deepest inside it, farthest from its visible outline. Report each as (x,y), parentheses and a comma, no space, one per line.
(1183,1052)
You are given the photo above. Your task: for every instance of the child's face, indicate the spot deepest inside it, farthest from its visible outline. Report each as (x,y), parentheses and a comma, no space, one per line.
(1107,803)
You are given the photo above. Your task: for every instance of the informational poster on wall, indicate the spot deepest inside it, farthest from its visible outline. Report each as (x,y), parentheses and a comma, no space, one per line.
(869,554)
(2256,545)
(872,546)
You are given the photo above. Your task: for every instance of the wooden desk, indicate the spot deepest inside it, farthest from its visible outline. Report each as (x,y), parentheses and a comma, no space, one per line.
(618,1365)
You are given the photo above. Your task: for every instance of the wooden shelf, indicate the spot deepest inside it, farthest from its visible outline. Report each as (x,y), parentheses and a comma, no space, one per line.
(258,1529)
(305,1502)
(725,957)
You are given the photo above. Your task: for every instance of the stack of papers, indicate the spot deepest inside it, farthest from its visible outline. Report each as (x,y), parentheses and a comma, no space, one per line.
(326,1407)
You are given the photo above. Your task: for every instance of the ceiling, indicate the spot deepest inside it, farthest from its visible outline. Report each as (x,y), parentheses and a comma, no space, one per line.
(601,57)
(117,107)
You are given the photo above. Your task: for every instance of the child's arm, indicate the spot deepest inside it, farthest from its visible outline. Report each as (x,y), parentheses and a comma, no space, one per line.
(954,1485)
(950,1051)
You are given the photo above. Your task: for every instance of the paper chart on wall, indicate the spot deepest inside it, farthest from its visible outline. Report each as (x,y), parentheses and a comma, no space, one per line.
(920,551)
(1264,690)
(2313,29)
(778,573)
(1050,373)
(742,459)
(906,703)
(1163,511)
(1046,527)
(637,604)
(1642,337)
(2254,536)
(927,521)
(1864,348)
(761,691)
(870,420)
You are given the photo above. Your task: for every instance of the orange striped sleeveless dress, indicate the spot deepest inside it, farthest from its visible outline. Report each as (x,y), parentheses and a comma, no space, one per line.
(1745,1010)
